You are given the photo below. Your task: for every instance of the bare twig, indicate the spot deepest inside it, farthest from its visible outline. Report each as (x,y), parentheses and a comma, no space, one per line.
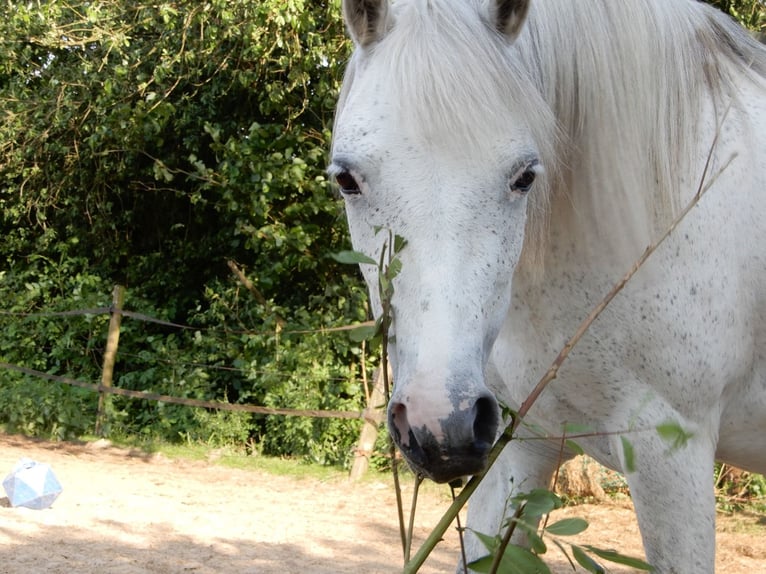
(385,301)
(441,527)
(500,551)
(552,372)
(411,527)
(460,532)
(250,286)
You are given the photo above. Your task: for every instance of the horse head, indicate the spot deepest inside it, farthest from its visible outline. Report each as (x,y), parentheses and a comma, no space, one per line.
(429,145)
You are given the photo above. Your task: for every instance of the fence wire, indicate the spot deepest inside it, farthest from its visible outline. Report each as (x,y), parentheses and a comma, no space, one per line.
(150,396)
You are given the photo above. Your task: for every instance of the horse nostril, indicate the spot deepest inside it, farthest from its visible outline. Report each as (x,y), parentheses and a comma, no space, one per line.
(399,424)
(400,429)
(484,424)
(445,447)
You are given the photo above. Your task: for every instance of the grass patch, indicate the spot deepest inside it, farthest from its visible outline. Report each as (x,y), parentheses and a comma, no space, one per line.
(747,521)
(295,468)
(232,457)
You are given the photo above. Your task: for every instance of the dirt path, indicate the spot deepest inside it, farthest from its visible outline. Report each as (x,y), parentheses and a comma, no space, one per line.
(123,512)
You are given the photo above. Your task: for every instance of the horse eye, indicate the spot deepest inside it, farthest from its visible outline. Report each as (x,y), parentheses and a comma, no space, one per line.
(348,185)
(523,183)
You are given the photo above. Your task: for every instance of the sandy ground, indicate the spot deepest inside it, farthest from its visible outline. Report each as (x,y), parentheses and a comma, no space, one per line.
(124,512)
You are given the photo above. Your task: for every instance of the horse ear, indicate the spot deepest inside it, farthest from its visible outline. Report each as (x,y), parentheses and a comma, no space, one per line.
(366,20)
(509,16)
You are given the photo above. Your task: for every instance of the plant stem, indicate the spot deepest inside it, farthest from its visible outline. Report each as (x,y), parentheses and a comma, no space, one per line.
(441,527)
(460,533)
(507,435)
(411,527)
(500,551)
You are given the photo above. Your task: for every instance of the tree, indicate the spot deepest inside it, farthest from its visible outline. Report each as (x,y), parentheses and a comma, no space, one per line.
(149,144)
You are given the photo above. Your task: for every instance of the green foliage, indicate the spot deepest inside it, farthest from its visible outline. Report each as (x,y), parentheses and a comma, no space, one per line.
(389,266)
(674,434)
(148,144)
(59,413)
(628,455)
(737,489)
(750,13)
(531,507)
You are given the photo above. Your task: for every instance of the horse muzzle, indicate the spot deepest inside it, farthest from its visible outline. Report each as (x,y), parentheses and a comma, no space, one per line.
(444,449)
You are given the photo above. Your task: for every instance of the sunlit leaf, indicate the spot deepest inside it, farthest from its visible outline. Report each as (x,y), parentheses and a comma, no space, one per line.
(616,557)
(630,457)
(363,333)
(538,502)
(586,561)
(482,565)
(672,433)
(567,527)
(353,258)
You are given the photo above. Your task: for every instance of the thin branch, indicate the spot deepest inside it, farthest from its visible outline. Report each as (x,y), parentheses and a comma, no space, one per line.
(411,527)
(460,532)
(507,434)
(446,520)
(250,286)
(385,302)
(553,370)
(500,551)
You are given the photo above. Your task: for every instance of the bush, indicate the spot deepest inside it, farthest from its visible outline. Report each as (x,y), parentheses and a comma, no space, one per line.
(149,144)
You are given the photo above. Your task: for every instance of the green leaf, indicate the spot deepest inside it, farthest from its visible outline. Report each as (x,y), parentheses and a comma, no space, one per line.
(353,258)
(630,457)
(567,527)
(363,333)
(516,560)
(538,502)
(616,557)
(565,553)
(399,243)
(575,428)
(489,542)
(672,433)
(520,560)
(384,285)
(482,565)
(574,447)
(535,541)
(394,268)
(586,561)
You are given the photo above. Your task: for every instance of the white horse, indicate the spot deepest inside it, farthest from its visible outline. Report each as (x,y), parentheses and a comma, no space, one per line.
(529,152)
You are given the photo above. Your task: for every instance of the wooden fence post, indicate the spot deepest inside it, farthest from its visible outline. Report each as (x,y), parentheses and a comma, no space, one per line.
(374,414)
(110,355)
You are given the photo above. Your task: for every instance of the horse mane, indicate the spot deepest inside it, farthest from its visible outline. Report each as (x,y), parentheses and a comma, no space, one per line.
(627,82)
(611,92)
